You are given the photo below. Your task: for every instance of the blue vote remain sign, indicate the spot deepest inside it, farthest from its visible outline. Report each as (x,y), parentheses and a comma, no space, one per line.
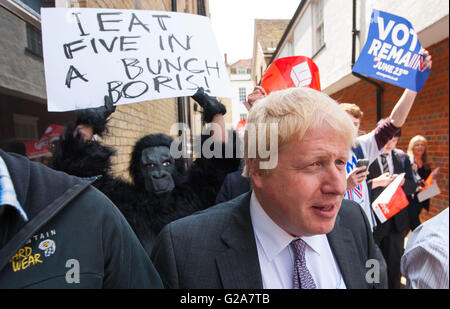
(392,53)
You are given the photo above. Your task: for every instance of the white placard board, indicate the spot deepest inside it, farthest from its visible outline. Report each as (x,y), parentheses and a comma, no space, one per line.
(130,55)
(432,190)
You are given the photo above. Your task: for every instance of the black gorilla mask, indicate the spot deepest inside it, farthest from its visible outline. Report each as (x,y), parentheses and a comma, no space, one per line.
(158,169)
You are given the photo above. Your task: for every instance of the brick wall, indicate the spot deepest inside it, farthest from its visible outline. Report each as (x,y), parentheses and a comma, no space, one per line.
(428,117)
(131,122)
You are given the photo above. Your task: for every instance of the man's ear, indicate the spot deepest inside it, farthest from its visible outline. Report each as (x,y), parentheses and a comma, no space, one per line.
(255,175)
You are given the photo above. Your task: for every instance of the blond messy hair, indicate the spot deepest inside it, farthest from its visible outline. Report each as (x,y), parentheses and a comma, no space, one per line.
(353,110)
(294,111)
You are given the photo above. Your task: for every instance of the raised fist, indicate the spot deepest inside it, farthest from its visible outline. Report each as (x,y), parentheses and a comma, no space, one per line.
(210,105)
(96,117)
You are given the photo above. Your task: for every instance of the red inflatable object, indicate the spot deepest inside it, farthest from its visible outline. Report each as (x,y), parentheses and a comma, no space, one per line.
(288,72)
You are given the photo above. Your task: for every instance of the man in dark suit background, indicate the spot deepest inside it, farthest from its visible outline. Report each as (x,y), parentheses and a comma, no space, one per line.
(233,185)
(390,235)
(293,230)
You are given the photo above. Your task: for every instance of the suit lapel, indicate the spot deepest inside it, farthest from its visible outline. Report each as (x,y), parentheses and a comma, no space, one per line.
(343,246)
(374,169)
(396,163)
(239,264)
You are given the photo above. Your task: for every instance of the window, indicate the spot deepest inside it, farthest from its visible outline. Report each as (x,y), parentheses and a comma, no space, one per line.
(25,127)
(34,41)
(319,37)
(242,117)
(241,70)
(35,5)
(242,94)
(201,7)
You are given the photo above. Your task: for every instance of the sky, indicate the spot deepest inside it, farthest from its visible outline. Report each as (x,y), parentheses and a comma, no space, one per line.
(233,22)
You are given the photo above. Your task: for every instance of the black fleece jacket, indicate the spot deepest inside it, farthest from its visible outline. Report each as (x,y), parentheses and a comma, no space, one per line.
(87,244)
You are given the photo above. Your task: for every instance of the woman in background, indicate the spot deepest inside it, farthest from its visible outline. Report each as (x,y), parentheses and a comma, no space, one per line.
(417,152)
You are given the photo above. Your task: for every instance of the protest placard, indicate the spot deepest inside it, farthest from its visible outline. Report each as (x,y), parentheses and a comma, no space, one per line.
(40,148)
(391,200)
(392,53)
(430,189)
(130,55)
(34,150)
(51,134)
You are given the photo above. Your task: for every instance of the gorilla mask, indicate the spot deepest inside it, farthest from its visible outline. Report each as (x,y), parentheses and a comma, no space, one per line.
(158,167)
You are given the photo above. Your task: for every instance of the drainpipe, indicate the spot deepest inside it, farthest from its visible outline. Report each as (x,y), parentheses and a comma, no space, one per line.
(182,102)
(179,99)
(379,88)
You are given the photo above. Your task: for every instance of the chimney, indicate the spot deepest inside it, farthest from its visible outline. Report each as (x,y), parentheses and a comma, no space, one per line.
(226,60)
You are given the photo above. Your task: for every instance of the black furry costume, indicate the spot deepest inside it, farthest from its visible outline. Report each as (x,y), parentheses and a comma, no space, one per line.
(146,212)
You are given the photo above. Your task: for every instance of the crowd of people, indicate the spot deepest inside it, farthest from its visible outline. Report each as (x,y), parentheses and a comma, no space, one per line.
(307,222)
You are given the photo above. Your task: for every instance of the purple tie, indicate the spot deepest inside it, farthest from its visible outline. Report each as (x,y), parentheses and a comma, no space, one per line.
(302,277)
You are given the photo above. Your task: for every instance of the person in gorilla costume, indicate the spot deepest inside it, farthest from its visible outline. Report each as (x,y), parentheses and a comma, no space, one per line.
(161,191)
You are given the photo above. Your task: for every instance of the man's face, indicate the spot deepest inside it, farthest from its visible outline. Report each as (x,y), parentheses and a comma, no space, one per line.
(303,194)
(356,121)
(391,144)
(158,167)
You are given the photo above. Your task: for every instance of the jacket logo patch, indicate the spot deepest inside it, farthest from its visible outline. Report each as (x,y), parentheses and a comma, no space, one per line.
(25,258)
(48,246)
(30,254)
(41,236)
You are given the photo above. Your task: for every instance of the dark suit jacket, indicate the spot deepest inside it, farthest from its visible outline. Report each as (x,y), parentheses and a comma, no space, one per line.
(216,248)
(233,185)
(399,222)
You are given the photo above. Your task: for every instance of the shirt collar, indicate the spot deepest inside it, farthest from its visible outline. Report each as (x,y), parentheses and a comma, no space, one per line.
(387,155)
(274,239)
(388,159)
(7,193)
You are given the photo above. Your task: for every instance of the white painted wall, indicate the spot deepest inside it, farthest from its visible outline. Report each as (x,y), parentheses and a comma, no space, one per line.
(429,18)
(239,81)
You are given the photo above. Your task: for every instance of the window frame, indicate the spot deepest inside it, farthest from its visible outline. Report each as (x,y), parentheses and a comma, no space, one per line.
(242,94)
(34,41)
(318,25)
(26,120)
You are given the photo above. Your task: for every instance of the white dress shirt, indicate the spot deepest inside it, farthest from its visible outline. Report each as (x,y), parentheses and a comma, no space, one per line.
(276,257)
(425,263)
